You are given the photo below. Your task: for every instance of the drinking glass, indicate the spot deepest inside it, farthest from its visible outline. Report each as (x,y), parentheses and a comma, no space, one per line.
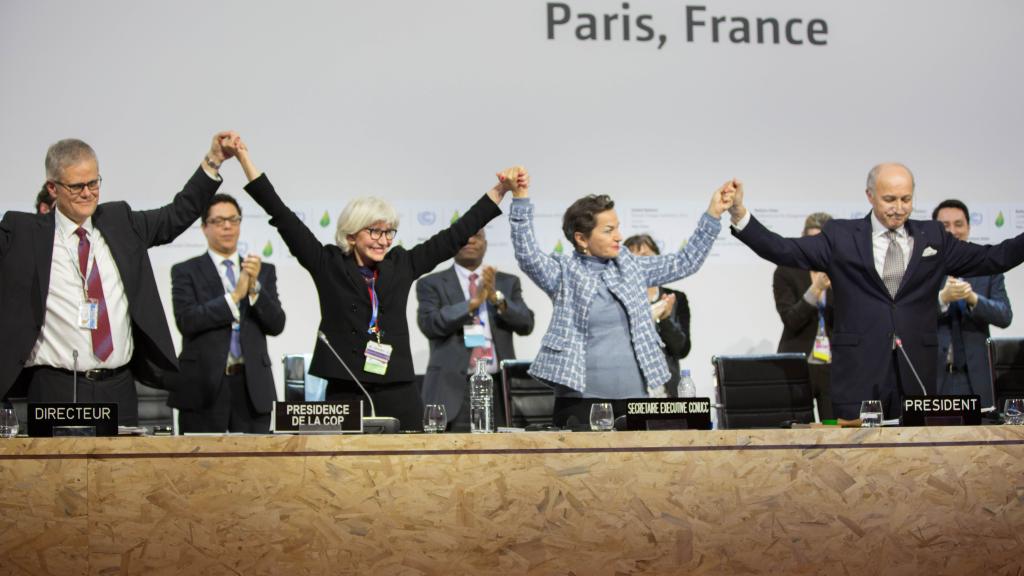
(434,418)
(871,413)
(1013,411)
(601,417)
(8,422)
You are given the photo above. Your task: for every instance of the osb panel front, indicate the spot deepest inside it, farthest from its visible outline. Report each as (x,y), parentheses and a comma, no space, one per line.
(704,503)
(43,509)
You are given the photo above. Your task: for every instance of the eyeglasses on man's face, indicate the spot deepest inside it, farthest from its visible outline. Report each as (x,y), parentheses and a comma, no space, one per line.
(220,220)
(79,187)
(376,233)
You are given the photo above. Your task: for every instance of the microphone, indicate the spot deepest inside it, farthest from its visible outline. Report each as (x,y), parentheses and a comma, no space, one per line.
(74,376)
(323,338)
(898,343)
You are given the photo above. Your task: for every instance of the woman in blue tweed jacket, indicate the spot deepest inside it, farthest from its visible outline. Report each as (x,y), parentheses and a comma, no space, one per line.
(602,342)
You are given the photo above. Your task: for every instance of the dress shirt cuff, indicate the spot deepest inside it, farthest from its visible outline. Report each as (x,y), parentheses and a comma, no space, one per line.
(943,306)
(810,298)
(233,306)
(739,226)
(212,175)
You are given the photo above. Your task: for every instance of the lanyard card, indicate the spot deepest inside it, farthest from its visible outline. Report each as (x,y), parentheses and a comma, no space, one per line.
(473,334)
(377,357)
(88,313)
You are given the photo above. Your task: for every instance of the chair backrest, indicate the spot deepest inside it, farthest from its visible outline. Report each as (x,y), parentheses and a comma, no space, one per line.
(1006,359)
(153,408)
(299,385)
(762,391)
(527,401)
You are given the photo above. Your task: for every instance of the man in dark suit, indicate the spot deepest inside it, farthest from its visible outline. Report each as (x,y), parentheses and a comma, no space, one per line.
(468,294)
(885,271)
(966,308)
(78,282)
(225,307)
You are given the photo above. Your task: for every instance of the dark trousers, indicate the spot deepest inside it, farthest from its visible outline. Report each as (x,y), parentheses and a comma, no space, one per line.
(821,389)
(53,385)
(954,383)
(395,399)
(460,422)
(231,411)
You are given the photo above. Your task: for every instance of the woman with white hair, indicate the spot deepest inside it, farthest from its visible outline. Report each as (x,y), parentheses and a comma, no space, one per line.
(363,283)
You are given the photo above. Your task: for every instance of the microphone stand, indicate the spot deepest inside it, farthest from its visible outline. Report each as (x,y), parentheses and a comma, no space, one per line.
(384,423)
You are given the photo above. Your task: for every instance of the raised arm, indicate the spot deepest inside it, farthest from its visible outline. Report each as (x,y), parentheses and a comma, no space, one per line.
(163,225)
(542,268)
(806,253)
(658,270)
(300,240)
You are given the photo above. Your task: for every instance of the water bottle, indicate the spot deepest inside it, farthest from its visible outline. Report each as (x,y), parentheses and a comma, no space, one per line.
(687,389)
(8,421)
(481,399)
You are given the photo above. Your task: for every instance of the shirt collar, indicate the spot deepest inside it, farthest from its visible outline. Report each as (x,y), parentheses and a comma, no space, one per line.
(879,229)
(464,272)
(68,225)
(218,259)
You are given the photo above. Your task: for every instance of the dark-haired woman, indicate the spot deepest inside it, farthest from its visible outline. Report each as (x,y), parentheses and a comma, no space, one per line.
(601,343)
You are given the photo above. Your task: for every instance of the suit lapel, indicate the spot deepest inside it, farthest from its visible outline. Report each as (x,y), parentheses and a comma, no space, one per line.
(118,247)
(43,244)
(920,236)
(211,276)
(866,250)
(452,286)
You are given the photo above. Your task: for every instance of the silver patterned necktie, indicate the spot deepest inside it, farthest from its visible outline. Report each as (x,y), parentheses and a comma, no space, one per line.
(894,266)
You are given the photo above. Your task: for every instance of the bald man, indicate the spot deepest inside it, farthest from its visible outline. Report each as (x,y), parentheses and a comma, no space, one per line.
(886,271)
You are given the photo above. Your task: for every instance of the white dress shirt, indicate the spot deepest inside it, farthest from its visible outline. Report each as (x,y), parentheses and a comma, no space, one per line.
(880,244)
(60,334)
(482,311)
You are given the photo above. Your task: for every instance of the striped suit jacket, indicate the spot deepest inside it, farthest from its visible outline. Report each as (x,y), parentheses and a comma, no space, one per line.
(562,358)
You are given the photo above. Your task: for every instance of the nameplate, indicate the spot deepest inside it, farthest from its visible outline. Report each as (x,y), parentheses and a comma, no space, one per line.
(942,410)
(82,419)
(668,414)
(318,417)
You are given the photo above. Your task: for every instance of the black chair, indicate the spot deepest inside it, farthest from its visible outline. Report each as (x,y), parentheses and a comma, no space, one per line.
(153,408)
(1006,359)
(527,401)
(762,391)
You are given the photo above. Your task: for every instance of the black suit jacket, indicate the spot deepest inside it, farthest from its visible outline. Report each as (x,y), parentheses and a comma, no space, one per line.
(866,316)
(674,332)
(441,315)
(799,318)
(344,299)
(26,250)
(204,320)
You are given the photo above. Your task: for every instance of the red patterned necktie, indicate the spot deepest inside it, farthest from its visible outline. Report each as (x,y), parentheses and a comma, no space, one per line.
(480,351)
(102,341)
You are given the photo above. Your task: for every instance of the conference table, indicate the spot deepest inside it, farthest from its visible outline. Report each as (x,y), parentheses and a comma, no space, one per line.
(940,500)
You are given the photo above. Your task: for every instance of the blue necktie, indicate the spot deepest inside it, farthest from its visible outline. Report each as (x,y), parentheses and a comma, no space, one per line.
(236,341)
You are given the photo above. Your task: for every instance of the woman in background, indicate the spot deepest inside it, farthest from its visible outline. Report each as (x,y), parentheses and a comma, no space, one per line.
(804,303)
(671,313)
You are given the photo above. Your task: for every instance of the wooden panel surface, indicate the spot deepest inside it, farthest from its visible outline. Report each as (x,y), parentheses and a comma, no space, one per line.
(886,501)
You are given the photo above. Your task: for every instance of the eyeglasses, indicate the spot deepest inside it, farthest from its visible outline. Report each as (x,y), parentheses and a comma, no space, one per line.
(92,185)
(376,233)
(234,221)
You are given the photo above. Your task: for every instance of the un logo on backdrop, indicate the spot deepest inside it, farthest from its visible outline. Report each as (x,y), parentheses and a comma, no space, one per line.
(426,217)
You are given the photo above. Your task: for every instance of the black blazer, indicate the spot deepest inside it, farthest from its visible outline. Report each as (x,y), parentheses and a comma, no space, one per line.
(799,318)
(204,320)
(674,332)
(441,315)
(26,249)
(866,316)
(344,299)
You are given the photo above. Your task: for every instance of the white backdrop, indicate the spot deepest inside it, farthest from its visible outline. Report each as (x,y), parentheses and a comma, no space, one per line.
(421,102)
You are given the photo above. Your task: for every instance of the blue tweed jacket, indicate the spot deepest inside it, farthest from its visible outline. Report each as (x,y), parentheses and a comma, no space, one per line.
(562,358)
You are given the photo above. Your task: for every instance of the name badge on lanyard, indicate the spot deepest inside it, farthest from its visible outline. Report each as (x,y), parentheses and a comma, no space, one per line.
(377,353)
(473,335)
(822,348)
(88,313)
